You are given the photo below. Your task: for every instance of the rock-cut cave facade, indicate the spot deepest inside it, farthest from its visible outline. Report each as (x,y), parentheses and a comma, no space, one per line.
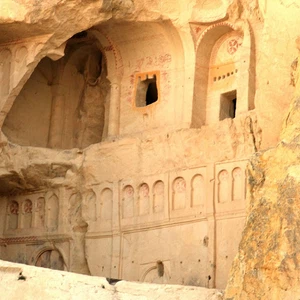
(125,139)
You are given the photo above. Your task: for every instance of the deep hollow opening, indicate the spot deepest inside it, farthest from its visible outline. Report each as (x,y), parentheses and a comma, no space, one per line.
(151,95)
(69,94)
(146,93)
(228,102)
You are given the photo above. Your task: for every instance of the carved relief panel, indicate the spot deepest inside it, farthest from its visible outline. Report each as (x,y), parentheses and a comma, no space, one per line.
(144,201)
(224,62)
(188,190)
(32,213)
(99,205)
(230,187)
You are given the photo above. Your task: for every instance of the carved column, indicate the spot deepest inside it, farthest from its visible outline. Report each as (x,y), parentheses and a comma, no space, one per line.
(114,109)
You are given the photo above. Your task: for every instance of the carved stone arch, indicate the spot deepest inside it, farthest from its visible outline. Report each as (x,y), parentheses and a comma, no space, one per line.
(153,272)
(204,48)
(36,254)
(111,54)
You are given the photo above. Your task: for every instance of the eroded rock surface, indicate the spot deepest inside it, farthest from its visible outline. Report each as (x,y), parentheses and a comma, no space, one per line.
(126,129)
(267,264)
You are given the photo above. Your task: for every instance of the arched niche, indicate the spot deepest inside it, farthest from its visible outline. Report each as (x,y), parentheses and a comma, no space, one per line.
(27,214)
(179,195)
(158,196)
(106,205)
(144,199)
(127,202)
(13,214)
(52,215)
(224,182)
(72,96)
(198,191)
(220,74)
(51,259)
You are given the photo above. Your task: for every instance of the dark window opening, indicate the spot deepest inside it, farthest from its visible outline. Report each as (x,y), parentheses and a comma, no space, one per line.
(146,92)
(228,105)
(151,95)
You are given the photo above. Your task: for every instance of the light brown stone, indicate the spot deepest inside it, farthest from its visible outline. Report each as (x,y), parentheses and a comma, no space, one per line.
(126,129)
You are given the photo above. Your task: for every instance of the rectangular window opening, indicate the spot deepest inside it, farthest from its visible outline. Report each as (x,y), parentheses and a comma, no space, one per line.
(146,91)
(228,105)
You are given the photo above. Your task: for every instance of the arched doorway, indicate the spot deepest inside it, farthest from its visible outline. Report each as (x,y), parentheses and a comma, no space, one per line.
(51,259)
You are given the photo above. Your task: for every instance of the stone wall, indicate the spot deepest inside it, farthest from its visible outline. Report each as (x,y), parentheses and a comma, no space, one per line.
(126,131)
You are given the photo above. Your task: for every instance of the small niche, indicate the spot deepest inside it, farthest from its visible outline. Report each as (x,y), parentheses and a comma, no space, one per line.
(160,268)
(228,105)
(146,91)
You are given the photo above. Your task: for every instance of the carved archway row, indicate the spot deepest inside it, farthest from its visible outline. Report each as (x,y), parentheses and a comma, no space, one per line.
(231,185)
(32,211)
(144,199)
(185,194)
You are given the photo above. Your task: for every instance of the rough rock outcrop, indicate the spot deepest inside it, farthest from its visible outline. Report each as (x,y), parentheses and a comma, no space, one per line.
(267,264)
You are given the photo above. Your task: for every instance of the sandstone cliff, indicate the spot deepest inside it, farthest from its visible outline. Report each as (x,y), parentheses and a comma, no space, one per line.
(267,264)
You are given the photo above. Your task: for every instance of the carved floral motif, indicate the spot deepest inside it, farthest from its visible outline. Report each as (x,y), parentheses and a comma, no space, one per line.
(14,208)
(232,46)
(28,207)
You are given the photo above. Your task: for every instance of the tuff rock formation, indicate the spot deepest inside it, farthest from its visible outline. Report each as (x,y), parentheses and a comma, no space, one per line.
(126,129)
(267,264)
